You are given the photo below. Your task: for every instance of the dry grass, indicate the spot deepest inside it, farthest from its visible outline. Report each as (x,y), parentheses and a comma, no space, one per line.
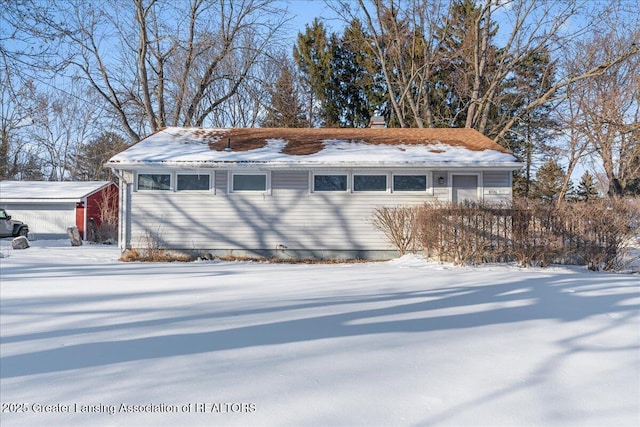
(133,255)
(295,260)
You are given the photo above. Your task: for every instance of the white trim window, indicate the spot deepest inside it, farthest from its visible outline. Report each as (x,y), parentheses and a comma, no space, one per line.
(370,182)
(154,182)
(330,182)
(193,182)
(410,183)
(249,182)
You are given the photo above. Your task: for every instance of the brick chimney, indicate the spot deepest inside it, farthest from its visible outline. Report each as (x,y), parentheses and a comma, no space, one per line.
(377,122)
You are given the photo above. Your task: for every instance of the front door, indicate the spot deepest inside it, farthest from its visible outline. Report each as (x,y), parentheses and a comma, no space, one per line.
(465,187)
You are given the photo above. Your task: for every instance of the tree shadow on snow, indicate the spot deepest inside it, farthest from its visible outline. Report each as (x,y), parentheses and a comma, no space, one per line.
(563,299)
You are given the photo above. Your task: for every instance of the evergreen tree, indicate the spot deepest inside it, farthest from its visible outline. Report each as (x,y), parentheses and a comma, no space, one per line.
(548,182)
(285,107)
(457,40)
(572,192)
(520,184)
(356,79)
(587,187)
(530,136)
(313,56)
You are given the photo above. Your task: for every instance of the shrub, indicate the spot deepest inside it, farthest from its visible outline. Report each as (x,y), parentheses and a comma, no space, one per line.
(399,225)
(594,233)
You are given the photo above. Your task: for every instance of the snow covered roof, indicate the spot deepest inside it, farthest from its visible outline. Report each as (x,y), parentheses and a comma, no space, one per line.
(48,191)
(201,147)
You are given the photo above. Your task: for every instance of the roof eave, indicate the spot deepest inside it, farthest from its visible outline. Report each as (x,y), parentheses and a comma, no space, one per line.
(514,165)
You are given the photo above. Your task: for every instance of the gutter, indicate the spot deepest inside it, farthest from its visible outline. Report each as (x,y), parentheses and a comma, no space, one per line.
(267,165)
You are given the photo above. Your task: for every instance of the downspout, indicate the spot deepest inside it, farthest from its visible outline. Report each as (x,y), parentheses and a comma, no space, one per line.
(85,203)
(122,188)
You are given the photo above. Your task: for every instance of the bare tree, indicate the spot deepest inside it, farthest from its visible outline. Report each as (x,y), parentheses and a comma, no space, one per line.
(609,103)
(527,27)
(62,122)
(156,62)
(18,155)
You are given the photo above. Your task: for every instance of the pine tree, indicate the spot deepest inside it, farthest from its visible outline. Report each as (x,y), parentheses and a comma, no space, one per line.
(285,108)
(587,187)
(531,78)
(548,181)
(313,56)
(457,39)
(356,78)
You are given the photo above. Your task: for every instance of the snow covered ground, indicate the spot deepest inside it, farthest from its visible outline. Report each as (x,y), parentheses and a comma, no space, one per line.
(87,340)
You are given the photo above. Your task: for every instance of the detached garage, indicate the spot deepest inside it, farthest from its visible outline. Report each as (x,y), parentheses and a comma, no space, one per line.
(50,207)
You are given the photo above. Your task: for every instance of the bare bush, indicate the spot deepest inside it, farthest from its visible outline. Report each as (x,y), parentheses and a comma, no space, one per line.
(594,233)
(399,225)
(106,229)
(465,232)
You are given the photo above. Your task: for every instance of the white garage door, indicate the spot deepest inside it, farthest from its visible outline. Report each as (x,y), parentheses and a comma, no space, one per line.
(48,221)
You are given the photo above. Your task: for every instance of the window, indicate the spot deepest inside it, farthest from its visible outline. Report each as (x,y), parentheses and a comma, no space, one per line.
(409,183)
(193,182)
(369,183)
(154,181)
(253,182)
(330,183)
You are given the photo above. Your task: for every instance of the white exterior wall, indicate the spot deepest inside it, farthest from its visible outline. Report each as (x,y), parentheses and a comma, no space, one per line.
(288,216)
(497,186)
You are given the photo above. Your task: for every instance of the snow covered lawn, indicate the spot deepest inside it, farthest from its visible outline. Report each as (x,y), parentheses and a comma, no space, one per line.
(87,340)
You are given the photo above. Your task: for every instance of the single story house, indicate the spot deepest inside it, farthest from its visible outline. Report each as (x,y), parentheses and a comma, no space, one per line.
(50,207)
(295,192)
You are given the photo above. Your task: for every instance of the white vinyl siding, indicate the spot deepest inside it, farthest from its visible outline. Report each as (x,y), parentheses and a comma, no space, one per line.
(291,214)
(290,180)
(497,186)
(220,182)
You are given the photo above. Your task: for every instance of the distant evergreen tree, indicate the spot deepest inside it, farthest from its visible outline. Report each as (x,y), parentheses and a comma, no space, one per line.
(632,171)
(520,184)
(587,187)
(30,170)
(91,157)
(529,136)
(285,107)
(343,79)
(572,192)
(357,84)
(457,39)
(548,182)
(314,57)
